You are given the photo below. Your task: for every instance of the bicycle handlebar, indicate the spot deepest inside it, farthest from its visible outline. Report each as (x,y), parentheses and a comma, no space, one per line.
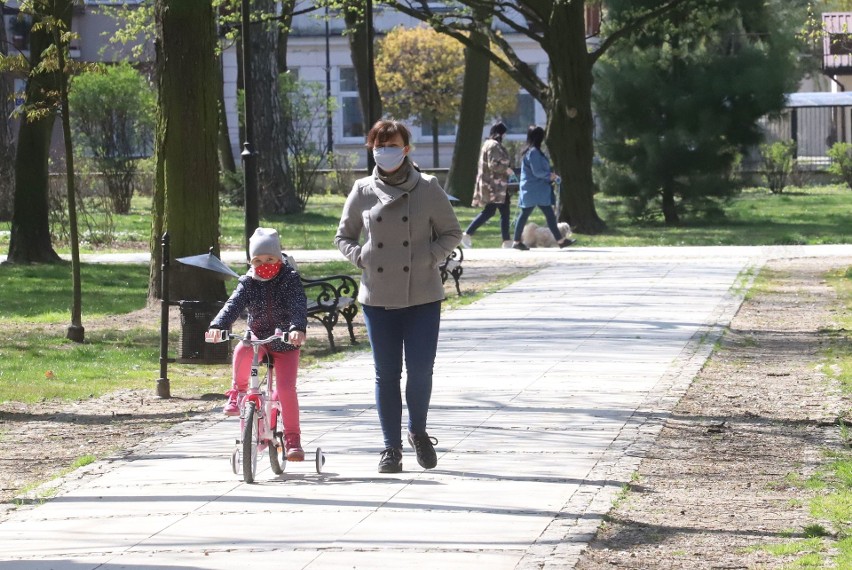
(220,335)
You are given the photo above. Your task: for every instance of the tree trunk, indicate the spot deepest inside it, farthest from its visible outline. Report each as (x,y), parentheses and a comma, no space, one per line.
(240,82)
(76,331)
(7,145)
(287,7)
(276,193)
(226,152)
(669,208)
(186,201)
(362,64)
(570,124)
(30,239)
(462,176)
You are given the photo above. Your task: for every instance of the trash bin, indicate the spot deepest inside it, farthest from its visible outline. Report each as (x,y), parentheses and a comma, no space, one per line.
(195,317)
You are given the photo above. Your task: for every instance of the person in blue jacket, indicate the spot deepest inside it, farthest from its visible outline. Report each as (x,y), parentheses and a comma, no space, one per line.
(536,189)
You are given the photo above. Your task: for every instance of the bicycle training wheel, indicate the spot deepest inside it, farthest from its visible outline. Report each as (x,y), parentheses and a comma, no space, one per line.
(277,456)
(250,442)
(320,460)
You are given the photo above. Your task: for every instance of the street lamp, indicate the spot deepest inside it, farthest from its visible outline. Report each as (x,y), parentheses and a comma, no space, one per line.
(249,157)
(368,25)
(328,130)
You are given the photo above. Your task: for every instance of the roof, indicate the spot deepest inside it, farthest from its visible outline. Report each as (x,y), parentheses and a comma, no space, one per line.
(819,99)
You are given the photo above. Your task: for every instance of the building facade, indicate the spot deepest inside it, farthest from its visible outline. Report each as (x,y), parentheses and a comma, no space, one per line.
(318,51)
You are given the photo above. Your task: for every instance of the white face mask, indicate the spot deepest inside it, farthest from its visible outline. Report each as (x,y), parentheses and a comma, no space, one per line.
(389,158)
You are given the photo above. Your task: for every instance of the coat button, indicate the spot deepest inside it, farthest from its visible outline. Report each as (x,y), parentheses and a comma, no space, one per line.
(380,245)
(380,269)
(379,219)
(405,269)
(405,243)
(405,218)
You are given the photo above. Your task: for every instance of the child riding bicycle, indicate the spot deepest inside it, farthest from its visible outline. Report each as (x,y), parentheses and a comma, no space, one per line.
(272,294)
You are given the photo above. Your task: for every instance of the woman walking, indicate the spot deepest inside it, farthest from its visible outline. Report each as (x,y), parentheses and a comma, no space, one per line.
(492,185)
(408,228)
(537,190)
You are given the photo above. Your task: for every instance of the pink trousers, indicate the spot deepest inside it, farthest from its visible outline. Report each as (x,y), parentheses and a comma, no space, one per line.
(286,367)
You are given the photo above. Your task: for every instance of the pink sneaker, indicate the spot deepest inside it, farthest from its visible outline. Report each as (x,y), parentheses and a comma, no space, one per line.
(231,408)
(293,447)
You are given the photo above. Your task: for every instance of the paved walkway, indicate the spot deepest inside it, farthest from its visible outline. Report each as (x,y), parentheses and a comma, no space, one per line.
(547,395)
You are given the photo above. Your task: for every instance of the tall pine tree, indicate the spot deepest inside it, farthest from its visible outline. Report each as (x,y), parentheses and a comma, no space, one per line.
(680,103)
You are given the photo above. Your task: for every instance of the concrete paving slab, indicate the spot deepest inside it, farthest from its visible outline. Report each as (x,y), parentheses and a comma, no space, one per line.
(546,396)
(418,560)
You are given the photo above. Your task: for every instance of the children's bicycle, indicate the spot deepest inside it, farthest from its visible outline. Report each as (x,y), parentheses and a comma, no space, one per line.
(261,423)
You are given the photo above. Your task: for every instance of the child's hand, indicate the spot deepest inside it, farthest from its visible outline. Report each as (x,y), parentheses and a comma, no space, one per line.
(215,335)
(296,338)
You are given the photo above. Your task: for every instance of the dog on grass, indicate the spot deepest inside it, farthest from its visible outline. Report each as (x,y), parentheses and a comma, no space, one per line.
(540,236)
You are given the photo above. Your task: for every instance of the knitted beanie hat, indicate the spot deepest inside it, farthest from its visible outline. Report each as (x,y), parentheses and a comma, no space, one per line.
(265,241)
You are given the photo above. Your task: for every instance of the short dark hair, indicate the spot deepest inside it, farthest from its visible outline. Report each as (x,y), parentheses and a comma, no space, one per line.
(385,130)
(497,130)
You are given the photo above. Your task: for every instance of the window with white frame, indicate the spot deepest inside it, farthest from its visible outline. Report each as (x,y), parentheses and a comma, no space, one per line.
(350,104)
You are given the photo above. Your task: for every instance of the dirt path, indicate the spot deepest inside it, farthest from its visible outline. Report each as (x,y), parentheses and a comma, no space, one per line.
(711,487)
(759,415)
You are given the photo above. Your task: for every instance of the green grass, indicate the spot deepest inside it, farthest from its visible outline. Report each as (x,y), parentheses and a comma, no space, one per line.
(39,363)
(42,293)
(812,215)
(809,215)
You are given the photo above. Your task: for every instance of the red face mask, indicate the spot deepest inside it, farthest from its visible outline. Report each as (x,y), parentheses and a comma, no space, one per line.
(267,271)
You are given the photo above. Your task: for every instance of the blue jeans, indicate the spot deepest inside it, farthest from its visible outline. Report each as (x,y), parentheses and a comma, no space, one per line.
(412,331)
(524,215)
(486,214)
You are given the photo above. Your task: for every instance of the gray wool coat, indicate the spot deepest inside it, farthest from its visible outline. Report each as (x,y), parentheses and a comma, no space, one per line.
(408,230)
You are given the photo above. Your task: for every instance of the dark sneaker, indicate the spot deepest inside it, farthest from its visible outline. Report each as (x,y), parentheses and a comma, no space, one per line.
(521,246)
(391,461)
(424,448)
(567,242)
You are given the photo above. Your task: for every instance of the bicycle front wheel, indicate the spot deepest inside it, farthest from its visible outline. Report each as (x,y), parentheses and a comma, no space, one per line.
(250,442)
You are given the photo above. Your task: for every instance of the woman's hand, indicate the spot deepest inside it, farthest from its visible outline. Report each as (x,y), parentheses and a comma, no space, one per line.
(296,338)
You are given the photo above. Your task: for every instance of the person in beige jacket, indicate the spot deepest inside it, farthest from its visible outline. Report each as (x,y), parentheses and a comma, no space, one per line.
(492,186)
(408,228)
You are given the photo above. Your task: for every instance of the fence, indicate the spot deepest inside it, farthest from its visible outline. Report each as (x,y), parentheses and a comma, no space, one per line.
(814,121)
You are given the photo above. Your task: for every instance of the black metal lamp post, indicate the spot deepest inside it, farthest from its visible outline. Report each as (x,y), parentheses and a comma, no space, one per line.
(329,133)
(249,157)
(368,25)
